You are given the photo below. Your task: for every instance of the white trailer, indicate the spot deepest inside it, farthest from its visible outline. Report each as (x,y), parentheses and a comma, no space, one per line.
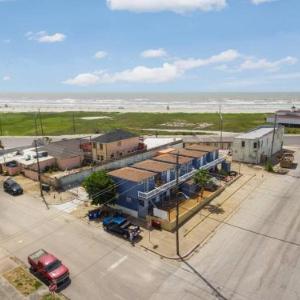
(257,145)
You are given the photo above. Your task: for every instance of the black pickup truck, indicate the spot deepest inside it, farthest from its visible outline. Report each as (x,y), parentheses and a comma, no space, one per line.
(121,226)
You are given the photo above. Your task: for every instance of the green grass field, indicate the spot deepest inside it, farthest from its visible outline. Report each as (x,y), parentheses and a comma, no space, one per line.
(20,124)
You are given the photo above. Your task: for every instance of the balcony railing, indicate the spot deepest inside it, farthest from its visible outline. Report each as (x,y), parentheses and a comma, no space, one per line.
(157,191)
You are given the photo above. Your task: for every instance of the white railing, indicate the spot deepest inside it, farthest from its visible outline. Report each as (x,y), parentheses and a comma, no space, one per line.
(183,178)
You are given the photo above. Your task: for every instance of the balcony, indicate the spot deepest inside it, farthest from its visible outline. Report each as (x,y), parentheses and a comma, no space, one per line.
(163,188)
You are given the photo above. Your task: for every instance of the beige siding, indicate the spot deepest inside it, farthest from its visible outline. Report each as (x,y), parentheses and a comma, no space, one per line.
(69,163)
(115,149)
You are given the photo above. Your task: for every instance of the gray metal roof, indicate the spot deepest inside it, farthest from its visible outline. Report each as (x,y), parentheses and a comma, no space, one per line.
(255,134)
(113,136)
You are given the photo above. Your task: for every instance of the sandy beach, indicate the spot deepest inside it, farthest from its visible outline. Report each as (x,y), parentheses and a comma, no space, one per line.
(150,102)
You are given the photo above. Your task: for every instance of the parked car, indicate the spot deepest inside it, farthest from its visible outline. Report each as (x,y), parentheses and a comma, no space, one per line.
(120,225)
(49,269)
(12,187)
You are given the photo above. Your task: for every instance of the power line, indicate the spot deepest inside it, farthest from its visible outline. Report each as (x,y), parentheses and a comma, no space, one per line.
(39,174)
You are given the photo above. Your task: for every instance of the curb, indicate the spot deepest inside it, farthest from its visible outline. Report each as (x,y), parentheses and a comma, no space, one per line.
(177,258)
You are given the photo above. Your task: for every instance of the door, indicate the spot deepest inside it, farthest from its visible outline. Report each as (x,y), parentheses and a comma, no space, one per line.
(143,208)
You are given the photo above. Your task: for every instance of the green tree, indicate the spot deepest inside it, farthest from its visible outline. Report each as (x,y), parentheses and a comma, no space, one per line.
(201,178)
(100,187)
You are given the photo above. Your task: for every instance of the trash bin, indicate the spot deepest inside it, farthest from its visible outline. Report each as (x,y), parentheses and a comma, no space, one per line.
(156,224)
(94,214)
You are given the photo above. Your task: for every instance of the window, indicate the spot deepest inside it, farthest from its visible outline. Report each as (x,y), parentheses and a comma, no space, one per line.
(101,146)
(141,203)
(119,143)
(94,145)
(101,157)
(112,156)
(255,145)
(243,144)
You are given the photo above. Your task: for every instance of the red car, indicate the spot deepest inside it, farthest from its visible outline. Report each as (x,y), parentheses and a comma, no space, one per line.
(47,267)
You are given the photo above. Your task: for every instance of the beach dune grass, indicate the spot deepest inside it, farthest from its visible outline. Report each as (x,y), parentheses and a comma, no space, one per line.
(21,124)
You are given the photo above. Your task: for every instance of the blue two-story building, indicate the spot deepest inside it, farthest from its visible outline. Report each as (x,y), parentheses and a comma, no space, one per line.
(130,182)
(148,185)
(165,174)
(198,157)
(211,153)
(185,163)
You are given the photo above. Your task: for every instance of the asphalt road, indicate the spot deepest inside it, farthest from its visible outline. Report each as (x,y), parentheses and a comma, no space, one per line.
(253,255)
(14,142)
(102,266)
(292,140)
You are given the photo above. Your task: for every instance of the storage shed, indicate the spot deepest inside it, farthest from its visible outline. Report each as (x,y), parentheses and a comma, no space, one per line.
(257,145)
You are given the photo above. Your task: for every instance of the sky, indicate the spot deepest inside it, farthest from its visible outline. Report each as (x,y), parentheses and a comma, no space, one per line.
(149,45)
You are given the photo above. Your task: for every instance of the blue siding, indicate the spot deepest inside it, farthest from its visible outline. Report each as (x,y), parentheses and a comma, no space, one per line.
(128,192)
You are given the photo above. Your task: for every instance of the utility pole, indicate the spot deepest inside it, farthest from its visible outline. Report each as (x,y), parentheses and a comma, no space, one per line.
(41,122)
(73,119)
(39,173)
(35,124)
(1,129)
(221,126)
(177,205)
(273,136)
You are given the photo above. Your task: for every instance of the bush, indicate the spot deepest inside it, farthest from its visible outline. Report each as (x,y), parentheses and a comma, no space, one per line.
(269,167)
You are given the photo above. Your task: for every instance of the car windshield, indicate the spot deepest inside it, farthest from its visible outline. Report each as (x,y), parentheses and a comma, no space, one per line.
(51,267)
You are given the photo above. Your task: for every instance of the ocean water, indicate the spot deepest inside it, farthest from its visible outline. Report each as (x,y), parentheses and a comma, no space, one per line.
(149,102)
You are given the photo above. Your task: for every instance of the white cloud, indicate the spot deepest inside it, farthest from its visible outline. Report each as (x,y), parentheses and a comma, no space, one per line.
(257,2)
(264,64)
(166,72)
(7,41)
(178,6)
(100,54)
(44,37)
(223,57)
(84,79)
(6,78)
(154,53)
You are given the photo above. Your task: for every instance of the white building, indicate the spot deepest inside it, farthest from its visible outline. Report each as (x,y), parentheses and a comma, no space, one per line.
(256,145)
(286,117)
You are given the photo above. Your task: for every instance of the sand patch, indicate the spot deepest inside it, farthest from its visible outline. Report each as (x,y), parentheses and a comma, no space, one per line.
(184,124)
(95,118)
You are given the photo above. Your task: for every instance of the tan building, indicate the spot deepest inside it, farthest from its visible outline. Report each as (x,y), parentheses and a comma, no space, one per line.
(115,144)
